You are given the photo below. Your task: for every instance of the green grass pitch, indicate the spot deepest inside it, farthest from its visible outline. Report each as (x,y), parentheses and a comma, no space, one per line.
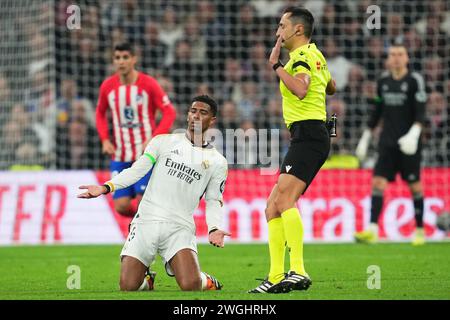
(338,271)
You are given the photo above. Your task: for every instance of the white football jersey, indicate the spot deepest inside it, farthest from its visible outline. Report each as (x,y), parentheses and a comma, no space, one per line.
(182,174)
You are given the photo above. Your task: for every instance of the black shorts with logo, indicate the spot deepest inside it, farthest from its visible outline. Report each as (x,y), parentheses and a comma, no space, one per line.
(310,146)
(391,160)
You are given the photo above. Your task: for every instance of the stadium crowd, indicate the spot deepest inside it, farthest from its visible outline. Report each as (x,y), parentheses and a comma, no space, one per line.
(49,86)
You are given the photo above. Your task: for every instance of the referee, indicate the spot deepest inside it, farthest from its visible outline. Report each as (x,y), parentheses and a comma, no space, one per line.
(304,83)
(400,102)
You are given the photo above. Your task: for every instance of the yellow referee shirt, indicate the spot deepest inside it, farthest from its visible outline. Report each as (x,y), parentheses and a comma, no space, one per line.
(306,59)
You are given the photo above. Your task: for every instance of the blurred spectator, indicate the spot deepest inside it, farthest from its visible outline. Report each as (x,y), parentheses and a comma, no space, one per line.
(89,69)
(338,65)
(247,152)
(353,40)
(155,51)
(434,73)
(67,97)
(328,26)
(244,32)
(5,99)
(17,131)
(273,115)
(170,33)
(204,89)
(439,9)
(434,37)
(268,8)
(128,16)
(413,43)
(254,66)
(340,143)
(193,35)
(437,130)
(214,31)
(26,157)
(229,116)
(374,60)
(355,81)
(395,29)
(76,139)
(316,7)
(230,88)
(183,72)
(447,90)
(250,104)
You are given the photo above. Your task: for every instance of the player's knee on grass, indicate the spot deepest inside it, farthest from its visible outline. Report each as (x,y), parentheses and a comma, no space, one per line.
(190,284)
(130,283)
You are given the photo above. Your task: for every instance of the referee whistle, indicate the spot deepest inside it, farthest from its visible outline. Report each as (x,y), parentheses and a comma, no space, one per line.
(332,125)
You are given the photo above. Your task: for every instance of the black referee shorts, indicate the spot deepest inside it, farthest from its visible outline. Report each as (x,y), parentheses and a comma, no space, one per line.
(391,161)
(310,145)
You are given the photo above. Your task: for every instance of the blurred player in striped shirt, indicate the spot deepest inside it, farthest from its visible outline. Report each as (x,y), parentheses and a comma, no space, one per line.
(132,97)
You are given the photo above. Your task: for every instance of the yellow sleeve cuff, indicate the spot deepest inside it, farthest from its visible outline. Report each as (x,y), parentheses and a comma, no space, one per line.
(111,186)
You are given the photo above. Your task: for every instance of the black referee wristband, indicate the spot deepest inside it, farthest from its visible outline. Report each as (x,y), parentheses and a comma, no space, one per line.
(277,65)
(108,188)
(212,230)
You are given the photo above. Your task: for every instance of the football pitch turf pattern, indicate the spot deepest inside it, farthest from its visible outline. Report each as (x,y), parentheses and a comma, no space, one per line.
(338,271)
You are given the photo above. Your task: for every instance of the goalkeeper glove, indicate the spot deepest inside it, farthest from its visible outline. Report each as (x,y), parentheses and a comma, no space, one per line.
(363,145)
(409,142)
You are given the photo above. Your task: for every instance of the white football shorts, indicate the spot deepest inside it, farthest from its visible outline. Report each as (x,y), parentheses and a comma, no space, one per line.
(146,239)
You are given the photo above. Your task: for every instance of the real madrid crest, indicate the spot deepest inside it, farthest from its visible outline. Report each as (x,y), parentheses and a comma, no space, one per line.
(404,86)
(205,164)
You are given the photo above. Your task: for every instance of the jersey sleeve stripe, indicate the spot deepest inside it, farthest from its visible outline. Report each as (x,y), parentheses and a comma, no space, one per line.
(152,159)
(301,63)
(420,82)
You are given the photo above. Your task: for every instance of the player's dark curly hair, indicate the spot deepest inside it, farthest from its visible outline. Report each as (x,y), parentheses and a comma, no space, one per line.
(209,101)
(125,46)
(302,16)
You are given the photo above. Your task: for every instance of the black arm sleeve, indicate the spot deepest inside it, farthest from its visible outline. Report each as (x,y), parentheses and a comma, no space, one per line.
(376,108)
(420,98)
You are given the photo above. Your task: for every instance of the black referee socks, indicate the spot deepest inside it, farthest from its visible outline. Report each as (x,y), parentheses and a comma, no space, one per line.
(377,205)
(418,209)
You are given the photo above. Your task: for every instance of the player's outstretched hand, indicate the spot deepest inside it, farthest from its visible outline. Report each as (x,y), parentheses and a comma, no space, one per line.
(108,147)
(92,191)
(216,238)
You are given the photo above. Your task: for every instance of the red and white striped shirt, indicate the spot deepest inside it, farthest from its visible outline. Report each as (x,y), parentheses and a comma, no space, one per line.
(133,109)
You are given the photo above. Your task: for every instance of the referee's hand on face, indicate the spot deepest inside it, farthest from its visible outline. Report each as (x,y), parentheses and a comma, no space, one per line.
(275,54)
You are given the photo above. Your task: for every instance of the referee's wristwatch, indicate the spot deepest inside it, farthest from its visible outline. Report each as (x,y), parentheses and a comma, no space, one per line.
(277,65)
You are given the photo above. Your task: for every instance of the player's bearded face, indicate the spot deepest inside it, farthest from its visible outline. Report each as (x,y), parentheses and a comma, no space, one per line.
(286,30)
